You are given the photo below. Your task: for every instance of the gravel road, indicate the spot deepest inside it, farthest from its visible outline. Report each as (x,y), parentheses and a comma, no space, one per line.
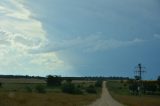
(106,99)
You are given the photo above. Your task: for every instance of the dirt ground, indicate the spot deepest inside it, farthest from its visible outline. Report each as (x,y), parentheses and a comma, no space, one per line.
(106,99)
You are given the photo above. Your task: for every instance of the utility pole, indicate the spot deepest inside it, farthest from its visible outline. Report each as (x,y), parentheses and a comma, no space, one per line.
(138,78)
(139,71)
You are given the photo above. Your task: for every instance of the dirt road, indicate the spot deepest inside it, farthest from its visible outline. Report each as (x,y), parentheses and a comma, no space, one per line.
(106,99)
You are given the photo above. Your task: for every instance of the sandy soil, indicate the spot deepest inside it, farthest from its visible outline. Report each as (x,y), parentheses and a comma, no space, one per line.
(106,99)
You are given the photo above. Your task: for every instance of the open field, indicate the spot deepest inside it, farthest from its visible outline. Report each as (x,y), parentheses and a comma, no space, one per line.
(21,80)
(122,94)
(47,99)
(14,92)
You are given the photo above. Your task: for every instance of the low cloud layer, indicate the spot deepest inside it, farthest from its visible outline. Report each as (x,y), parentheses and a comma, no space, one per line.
(88,44)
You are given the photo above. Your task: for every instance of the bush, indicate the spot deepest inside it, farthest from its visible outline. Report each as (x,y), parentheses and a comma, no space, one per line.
(158,79)
(0,84)
(40,89)
(29,89)
(150,87)
(125,84)
(98,83)
(91,89)
(71,88)
(122,81)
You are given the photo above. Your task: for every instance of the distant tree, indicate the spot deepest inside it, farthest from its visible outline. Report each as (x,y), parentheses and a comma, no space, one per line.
(69,80)
(54,80)
(137,77)
(0,84)
(158,79)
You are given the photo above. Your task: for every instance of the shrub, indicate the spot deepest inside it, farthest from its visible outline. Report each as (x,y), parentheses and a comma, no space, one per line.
(122,81)
(98,83)
(150,87)
(158,79)
(71,88)
(29,89)
(0,84)
(79,86)
(91,89)
(40,89)
(125,84)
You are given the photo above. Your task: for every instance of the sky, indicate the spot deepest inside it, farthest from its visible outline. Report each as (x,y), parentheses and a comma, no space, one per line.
(80,37)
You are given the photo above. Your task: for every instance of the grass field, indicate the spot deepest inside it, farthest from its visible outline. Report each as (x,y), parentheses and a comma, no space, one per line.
(122,94)
(14,93)
(21,80)
(47,99)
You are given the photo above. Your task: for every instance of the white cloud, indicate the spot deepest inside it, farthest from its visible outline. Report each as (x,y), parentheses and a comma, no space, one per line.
(20,34)
(47,60)
(15,9)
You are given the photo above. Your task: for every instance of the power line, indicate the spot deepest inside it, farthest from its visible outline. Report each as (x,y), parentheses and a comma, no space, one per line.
(139,71)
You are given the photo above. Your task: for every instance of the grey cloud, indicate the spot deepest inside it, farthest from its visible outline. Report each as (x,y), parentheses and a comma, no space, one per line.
(88,44)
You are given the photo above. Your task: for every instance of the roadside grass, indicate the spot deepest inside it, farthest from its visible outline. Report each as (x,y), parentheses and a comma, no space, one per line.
(122,94)
(118,88)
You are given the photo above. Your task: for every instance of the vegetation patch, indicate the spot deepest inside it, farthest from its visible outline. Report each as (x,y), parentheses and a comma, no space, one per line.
(40,88)
(120,91)
(65,93)
(71,88)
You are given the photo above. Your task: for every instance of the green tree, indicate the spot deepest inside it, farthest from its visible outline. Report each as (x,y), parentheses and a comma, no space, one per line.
(54,80)
(158,79)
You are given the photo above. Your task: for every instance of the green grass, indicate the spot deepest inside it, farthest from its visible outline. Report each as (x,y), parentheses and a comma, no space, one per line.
(122,94)
(118,88)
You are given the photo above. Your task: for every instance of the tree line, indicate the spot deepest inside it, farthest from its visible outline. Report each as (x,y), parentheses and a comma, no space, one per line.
(65,78)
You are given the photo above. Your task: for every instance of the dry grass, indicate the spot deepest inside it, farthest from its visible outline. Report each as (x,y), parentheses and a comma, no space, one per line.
(122,95)
(48,99)
(138,100)
(21,80)
(13,93)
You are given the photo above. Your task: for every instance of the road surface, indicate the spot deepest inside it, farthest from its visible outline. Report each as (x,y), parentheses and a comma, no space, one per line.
(106,99)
